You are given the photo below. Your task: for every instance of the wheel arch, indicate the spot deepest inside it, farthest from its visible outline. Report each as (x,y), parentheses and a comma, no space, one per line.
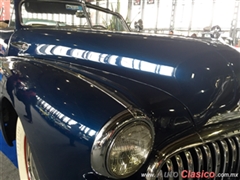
(8,120)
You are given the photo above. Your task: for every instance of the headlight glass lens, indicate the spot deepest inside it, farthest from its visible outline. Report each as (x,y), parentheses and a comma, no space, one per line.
(129,149)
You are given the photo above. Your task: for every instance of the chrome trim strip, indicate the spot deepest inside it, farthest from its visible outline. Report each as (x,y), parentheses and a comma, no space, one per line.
(212,135)
(180,165)
(224,155)
(170,168)
(238,152)
(200,159)
(156,164)
(217,156)
(208,155)
(224,117)
(105,138)
(227,156)
(154,170)
(189,162)
(234,155)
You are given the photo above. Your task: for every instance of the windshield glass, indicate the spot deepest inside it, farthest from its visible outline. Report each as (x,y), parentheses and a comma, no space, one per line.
(102,20)
(67,15)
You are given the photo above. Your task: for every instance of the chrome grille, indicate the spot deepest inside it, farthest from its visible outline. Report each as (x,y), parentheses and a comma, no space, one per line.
(220,156)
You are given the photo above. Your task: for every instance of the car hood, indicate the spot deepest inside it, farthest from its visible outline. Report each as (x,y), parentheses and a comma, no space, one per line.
(202,75)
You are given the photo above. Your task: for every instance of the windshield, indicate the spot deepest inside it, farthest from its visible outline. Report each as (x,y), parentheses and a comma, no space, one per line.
(70,15)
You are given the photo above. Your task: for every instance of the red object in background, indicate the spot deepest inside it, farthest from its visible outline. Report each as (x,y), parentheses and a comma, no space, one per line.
(137,2)
(4,10)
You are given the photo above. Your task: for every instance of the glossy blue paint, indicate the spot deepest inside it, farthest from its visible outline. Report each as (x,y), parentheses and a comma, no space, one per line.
(42,89)
(189,75)
(169,87)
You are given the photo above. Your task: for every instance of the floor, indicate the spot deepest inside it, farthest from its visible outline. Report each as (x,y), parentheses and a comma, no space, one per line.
(8,161)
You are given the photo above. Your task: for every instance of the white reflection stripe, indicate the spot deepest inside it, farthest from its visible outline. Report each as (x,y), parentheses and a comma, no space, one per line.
(109,59)
(148,67)
(127,62)
(166,70)
(48,49)
(60,50)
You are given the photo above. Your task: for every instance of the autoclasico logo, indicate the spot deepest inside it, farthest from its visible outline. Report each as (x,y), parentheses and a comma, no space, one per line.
(203,174)
(189,174)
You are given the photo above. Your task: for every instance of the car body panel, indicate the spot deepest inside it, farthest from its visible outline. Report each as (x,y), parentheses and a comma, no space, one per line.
(175,71)
(51,108)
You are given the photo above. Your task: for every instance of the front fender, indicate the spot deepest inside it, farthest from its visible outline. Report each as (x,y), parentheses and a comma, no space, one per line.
(60,114)
(63,106)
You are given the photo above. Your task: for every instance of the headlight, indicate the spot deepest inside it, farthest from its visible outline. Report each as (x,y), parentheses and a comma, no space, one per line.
(129,149)
(122,146)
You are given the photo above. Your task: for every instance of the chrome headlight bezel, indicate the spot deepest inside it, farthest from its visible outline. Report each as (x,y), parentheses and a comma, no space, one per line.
(106,136)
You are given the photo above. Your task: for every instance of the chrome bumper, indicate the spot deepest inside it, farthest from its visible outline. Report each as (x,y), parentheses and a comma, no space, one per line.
(214,151)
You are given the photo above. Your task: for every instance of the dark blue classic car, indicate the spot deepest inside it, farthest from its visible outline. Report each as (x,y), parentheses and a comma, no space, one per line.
(85,98)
